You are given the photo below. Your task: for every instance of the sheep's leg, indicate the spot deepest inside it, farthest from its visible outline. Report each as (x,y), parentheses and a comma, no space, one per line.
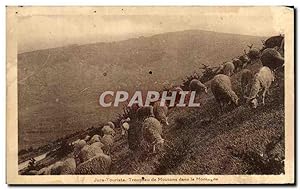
(221,106)
(154,149)
(263,96)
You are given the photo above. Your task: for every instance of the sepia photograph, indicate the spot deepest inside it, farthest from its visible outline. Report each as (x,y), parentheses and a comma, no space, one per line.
(150,95)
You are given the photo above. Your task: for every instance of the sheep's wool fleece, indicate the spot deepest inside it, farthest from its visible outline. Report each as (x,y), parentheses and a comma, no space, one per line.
(107,140)
(56,168)
(68,166)
(263,78)
(272,58)
(221,88)
(107,130)
(79,145)
(88,152)
(99,164)
(160,112)
(228,69)
(196,85)
(152,130)
(95,138)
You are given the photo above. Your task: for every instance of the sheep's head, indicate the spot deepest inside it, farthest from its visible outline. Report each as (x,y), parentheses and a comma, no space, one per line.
(252,102)
(234,99)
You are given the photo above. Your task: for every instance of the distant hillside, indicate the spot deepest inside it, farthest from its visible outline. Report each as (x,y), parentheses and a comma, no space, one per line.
(59,88)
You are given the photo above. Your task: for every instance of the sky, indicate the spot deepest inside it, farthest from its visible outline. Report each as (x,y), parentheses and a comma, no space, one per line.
(47,31)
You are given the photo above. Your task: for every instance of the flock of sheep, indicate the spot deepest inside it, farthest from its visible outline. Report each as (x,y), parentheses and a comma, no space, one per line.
(92,155)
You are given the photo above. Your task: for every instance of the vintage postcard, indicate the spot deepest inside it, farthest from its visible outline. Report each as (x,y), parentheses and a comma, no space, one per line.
(150,95)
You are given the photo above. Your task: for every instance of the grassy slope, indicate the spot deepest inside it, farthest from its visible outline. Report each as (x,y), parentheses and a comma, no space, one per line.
(205,141)
(59,88)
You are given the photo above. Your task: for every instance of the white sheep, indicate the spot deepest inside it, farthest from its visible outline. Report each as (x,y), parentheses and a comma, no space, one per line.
(124,128)
(111,124)
(228,69)
(222,90)
(262,81)
(160,112)
(196,85)
(152,131)
(99,164)
(107,130)
(90,151)
(246,80)
(95,138)
(108,141)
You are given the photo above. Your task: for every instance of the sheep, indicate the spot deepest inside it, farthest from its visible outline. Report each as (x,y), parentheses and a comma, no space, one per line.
(55,169)
(90,151)
(178,90)
(261,81)
(144,112)
(238,64)
(160,113)
(254,54)
(78,145)
(228,69)
(273,41)
(196,85)
(68,166)
(99,164)
(124,128)
(244,59)
(87,138)
(178,96)
(108,142)
(107,130)
(246,79)
(152,131)
(44,171)
(272,58)
(111,124)
(95,138)
(222,90)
